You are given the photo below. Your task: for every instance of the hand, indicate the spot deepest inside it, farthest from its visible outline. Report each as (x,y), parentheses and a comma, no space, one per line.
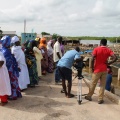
(92,69)
(107,63)
(1,63)
(19,69)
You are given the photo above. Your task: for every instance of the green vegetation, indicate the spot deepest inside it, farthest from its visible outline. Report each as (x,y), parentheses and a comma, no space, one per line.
(111,39)
(55,36)
(45,33)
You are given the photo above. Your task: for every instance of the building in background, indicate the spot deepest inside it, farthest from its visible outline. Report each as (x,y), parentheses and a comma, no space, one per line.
(27,36)
(9,33)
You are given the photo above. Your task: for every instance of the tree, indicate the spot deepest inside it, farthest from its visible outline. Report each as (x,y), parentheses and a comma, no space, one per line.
(45,33)
(55,36)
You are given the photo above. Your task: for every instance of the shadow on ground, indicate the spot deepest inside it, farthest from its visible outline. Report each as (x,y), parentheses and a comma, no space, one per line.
(44,98)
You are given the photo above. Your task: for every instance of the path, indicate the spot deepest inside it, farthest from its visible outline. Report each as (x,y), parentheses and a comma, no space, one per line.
(45,102)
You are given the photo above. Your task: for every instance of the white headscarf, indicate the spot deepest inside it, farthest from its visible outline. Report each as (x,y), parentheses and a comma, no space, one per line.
(14,39)
(49,48)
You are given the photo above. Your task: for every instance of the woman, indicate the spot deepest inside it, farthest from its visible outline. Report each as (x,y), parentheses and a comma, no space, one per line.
(23,78)
(5,87)
(12,67)
(31,63)
(43,48)
(38,55)
(50,56)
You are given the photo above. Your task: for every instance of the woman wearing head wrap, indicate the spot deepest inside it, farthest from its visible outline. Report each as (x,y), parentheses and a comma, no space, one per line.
(31,63)
(43,48)
(38,56)
(50,56)
(12,67)
(23,78)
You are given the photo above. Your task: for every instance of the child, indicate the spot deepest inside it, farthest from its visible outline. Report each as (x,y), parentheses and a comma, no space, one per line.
(5,87)
(109,86)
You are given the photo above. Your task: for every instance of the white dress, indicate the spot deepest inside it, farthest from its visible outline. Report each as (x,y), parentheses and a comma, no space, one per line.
(5,86)
(23,79)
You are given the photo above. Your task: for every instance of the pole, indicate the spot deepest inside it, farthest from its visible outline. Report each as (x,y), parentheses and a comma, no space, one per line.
(24,30)
(24,26)
(116,40)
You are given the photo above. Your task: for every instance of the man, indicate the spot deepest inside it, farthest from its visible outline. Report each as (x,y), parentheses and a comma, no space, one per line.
(57,54)
(64,67)
(99,68)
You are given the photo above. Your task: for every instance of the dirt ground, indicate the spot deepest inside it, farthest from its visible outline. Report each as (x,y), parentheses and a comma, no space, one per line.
(45,102)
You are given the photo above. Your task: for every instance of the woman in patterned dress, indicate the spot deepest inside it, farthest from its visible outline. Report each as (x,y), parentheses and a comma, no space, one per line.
(12,67)
(50,56)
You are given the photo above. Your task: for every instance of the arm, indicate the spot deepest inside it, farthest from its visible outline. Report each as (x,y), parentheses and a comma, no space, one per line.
(36,50)
(114,58)
(79,59)
(58,51)
(1,63)
(58,55)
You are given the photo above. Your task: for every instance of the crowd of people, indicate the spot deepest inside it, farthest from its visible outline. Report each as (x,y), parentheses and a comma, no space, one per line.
(23,66)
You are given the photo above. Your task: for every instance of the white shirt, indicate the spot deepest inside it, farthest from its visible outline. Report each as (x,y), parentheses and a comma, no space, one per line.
(56,49)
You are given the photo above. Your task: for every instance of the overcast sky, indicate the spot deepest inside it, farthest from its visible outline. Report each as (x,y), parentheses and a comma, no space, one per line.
(65,17)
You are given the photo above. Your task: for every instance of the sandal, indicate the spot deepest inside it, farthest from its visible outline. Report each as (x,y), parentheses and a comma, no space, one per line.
(70,96)
(62,91)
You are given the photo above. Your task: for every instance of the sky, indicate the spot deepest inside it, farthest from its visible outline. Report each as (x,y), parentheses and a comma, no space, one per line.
(64,17)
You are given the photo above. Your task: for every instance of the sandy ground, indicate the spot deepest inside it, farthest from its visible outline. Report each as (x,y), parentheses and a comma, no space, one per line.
(45,102)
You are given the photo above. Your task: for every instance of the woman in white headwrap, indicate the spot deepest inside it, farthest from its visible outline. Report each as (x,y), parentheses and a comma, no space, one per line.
(50,56)
(23,79)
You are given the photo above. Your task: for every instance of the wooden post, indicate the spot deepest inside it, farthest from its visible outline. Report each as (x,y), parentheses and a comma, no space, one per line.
(90,62)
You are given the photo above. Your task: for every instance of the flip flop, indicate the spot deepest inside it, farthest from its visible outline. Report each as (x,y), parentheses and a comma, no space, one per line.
(62,91)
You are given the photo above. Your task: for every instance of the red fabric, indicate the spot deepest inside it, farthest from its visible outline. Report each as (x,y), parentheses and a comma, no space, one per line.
(4,98)
(109,71)
(101,55)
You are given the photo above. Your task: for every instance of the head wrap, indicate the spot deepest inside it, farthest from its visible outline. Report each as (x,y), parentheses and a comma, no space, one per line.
(6,40)
(49,47)
(32,43)
(14,39)
(43,42)
(37,39)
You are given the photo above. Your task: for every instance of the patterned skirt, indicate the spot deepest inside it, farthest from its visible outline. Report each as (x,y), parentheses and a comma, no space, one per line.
(50,64)
(16,92)
(32,68)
